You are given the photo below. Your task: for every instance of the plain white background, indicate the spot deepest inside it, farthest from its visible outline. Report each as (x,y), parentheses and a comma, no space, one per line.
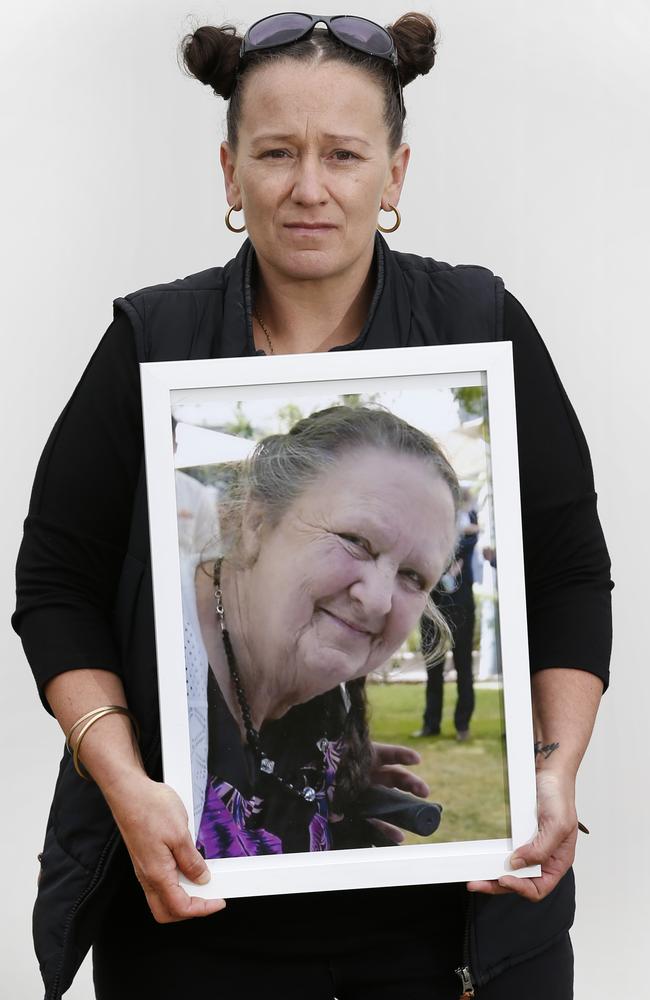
(531,146)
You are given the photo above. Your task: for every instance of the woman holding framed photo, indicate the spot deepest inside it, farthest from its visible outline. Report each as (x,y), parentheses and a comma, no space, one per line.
(314,153)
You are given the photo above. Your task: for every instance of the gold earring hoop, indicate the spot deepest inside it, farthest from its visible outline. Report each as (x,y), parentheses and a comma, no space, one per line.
(233,229)
(398,219)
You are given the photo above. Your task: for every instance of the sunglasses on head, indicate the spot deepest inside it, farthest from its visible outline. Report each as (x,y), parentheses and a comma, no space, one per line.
(355,32)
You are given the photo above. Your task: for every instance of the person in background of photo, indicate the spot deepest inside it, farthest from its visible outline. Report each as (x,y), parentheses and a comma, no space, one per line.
(314,158)
(312,518)
(455,599)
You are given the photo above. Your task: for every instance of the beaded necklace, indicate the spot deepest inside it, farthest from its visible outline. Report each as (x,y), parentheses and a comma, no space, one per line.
(265,764)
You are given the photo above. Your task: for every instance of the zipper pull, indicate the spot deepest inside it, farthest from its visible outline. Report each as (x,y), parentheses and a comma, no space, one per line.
(468,985)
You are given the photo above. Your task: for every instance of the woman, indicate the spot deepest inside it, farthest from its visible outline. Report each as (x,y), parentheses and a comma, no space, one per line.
(314,150)
(312,519)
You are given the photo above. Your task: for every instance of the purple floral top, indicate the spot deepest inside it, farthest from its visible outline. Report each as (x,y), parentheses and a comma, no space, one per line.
(229,822)
(245,816)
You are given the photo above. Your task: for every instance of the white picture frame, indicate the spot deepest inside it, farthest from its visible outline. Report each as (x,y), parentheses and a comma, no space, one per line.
(409,372)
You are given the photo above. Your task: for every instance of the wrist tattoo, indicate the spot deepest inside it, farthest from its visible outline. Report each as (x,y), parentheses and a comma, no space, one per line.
(545,749)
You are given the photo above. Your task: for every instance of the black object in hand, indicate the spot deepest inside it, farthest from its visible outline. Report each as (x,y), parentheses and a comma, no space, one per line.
(399,808)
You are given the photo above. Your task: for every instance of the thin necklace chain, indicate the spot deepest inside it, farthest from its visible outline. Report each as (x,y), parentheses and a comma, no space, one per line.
(265,329)
(267,333)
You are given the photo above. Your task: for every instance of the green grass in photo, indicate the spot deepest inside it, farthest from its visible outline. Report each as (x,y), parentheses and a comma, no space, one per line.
(469,778)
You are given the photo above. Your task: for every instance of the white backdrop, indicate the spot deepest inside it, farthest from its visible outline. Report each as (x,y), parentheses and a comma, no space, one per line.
(531,142)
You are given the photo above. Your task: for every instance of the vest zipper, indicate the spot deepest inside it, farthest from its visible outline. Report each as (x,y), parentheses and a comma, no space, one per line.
(464,971)
(468,985)
(54,992)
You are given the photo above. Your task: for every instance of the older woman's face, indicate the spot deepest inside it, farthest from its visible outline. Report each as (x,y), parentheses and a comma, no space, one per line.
(312,166)
(343,578)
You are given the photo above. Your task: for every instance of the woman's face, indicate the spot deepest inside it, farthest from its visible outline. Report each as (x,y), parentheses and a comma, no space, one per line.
(312,167)
(343,578)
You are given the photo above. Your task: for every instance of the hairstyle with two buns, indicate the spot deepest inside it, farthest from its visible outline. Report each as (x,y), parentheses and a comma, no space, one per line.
(211,54)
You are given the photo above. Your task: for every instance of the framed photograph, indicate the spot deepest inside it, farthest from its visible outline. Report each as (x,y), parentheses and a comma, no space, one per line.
(340,615)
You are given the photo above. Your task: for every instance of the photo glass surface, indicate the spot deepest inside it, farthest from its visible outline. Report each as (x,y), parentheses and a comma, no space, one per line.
(335,577)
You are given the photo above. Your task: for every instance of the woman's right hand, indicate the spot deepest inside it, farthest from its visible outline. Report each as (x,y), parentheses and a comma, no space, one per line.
(153,823)
(150,815)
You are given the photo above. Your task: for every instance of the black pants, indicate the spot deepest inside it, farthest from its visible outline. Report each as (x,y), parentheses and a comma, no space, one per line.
(372,945)
(461,619)
(377,974)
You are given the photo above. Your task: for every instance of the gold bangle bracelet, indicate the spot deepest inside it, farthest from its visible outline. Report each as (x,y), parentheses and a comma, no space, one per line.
(84,718)
(98,714)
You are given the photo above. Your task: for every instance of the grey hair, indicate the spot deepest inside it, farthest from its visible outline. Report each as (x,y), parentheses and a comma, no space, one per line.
(283,466)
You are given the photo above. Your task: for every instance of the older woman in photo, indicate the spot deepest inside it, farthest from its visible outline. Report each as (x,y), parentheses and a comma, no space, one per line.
(315,160)
(320,581)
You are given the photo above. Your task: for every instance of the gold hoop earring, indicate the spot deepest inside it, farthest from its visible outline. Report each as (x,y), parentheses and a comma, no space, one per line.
(398,219)
(233,229)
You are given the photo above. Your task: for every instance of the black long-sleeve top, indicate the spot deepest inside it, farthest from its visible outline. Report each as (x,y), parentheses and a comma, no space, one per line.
(77,528)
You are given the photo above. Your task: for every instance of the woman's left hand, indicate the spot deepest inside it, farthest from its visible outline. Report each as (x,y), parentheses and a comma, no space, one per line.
(554,846)
(390,768)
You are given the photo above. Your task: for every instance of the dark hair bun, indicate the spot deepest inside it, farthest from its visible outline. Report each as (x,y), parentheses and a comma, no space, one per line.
(212,56)
(415,38)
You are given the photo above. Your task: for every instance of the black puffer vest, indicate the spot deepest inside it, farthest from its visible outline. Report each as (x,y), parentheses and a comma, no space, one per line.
(417,301)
